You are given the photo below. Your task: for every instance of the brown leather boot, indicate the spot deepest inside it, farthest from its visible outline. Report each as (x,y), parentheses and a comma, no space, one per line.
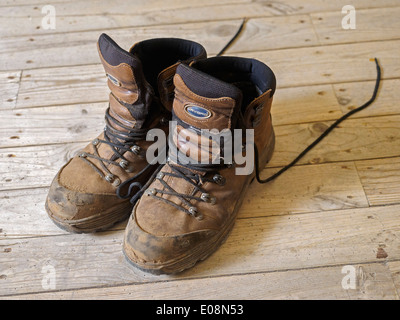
(189,209)
(93,190)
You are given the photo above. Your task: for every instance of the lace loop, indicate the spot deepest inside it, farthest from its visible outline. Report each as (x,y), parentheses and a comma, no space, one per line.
(120,141)
(193,178)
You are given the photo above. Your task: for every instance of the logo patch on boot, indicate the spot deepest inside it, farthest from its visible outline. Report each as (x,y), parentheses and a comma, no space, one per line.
(197,112)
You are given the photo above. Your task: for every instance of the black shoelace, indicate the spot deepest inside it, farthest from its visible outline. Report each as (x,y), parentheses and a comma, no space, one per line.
(233,38)
(193,178)
(211,172)
(120,142)
(193,173)
(188,174)
(323,135)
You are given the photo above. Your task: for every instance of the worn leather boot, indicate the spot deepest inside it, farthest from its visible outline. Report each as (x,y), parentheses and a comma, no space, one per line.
(189,209)
(96,188)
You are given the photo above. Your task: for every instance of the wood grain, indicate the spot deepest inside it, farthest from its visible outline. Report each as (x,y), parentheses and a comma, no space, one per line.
(123,14)
(60,86)
(381,180)
(34,166)
(395,271)
(353,94)
(312,189)
(306,189)
(51,125)
(276,243)
(84,121)
(305,104)
(339,206)
(53,86)
(79,48)
(260,34)
(373,281)
(331,64)
(369,25)
(9,83)
(354,139)
(28,14)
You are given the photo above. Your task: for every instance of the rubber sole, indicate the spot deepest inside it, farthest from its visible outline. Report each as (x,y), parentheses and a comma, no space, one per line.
(98,222)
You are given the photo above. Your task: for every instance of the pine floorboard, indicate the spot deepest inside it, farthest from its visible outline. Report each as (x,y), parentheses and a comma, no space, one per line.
(338,207)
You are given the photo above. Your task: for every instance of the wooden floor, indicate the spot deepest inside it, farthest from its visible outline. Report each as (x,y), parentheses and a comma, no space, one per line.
(337,210)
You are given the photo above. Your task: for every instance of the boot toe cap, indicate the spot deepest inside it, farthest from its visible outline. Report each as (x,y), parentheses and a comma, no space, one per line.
(79,211)
(159,254)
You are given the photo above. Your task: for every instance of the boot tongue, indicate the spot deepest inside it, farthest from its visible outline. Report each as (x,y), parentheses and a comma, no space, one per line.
(130,96)
(202,104)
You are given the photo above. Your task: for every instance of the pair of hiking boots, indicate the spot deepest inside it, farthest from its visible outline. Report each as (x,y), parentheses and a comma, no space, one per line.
(180,211)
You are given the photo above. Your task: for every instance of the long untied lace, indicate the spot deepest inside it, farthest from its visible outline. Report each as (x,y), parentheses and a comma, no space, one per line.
(188,173)
(121,142)
(323,135)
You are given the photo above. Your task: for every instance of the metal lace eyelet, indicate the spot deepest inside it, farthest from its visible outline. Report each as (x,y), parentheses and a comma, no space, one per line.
(109,178)
(83,155)
(151,192)
(205,197)
(116,182)
(95,142)
(193,211)
(136,149)
(160,175)
(218,179)
(124,164)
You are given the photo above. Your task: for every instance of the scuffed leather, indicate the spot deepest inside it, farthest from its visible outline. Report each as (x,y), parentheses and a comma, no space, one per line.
(158,232)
